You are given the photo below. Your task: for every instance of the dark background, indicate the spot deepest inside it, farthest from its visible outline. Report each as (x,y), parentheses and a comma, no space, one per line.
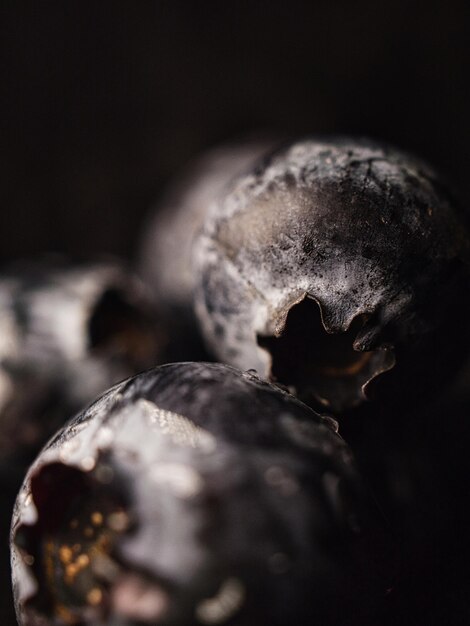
(104,101)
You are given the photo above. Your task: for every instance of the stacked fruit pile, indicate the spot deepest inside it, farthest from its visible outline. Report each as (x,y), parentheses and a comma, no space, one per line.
(330,279)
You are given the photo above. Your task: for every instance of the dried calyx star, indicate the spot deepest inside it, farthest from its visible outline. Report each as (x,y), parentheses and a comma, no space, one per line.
(197,494)
(73,538)
(337,268)
(69,331)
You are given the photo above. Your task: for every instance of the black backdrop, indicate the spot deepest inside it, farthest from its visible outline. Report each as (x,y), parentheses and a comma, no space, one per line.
(103,101)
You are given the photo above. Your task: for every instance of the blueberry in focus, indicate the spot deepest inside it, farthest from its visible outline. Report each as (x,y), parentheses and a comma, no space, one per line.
(340,269)
(197,494)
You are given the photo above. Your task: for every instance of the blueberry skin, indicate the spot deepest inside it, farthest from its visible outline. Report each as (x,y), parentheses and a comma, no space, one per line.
(339,267)
(235,504)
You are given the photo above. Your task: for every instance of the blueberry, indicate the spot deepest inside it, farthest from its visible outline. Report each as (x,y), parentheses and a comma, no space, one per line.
(68,332)
(197,494)
(338,268)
